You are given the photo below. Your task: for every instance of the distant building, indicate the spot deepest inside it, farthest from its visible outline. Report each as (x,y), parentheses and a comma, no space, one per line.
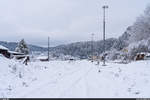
(142,56)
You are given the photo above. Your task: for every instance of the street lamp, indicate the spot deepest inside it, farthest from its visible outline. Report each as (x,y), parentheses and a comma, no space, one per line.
(92,46)
(104,24)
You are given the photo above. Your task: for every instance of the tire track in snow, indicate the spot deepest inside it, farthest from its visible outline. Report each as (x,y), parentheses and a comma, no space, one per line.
(74,83)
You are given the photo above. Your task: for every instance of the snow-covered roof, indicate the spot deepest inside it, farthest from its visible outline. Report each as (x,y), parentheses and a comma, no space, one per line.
(145,53)
(3,48)
(13,52)
(42,57)
(148,54)
(142,53)
(21,55)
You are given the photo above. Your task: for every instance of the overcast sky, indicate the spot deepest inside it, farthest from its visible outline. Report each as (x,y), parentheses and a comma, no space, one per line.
(65,21)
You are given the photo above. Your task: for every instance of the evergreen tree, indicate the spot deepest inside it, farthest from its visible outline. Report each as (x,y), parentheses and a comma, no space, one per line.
(22,47)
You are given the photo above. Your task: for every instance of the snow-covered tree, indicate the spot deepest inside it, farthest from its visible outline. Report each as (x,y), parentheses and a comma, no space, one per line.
(22,47)
(141,28)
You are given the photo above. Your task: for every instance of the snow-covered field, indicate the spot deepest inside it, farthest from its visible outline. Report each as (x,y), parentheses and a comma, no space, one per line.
(74,79)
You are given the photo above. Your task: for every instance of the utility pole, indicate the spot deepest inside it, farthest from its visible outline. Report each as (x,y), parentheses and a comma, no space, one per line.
(92,46)
(104,25)
(87,53)
(48,48)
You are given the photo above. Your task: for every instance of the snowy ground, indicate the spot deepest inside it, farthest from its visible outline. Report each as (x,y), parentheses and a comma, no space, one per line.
(75,79)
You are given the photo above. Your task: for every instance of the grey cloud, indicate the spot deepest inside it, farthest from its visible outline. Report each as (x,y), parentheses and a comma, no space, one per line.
(65,21)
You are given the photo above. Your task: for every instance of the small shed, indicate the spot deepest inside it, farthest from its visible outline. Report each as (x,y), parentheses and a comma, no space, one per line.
(42,58)
(10,54)
(4,51)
